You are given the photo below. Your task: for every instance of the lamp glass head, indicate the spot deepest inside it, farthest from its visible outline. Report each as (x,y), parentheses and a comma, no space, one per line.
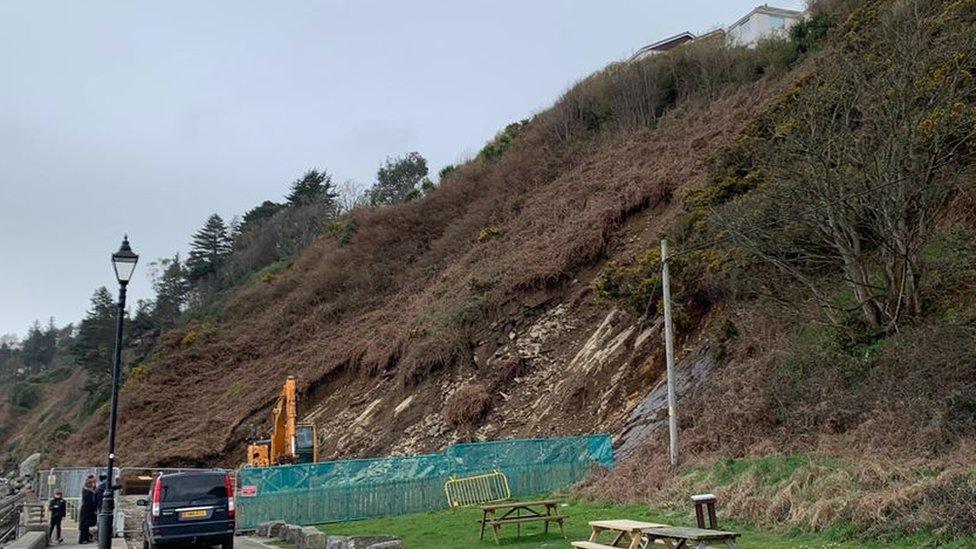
(124,262)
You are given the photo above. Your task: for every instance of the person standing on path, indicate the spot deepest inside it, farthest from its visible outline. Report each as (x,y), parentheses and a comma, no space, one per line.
(100,491)
(57,507)
(86,515)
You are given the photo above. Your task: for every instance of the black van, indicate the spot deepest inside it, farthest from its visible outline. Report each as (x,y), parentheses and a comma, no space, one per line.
(190,507)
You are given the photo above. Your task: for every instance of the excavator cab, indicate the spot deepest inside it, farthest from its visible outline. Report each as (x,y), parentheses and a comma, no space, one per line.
(259,453)
(306,443)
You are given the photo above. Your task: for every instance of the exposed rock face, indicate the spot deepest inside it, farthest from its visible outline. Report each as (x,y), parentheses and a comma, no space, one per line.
(29,464)
(652,412)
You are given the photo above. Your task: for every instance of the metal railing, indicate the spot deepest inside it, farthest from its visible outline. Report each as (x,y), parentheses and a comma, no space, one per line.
(10,508)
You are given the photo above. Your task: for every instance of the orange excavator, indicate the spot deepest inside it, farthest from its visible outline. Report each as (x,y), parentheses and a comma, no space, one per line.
(291,441)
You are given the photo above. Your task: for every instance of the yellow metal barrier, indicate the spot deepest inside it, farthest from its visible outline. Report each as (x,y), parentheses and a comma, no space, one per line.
(487,488)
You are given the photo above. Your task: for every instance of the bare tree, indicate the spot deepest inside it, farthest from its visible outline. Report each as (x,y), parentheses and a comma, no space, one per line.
(861,166)
(351,195)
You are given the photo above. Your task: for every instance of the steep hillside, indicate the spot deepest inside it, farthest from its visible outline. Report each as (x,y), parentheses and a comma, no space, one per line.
(44,426)
(519,297)
(431,295)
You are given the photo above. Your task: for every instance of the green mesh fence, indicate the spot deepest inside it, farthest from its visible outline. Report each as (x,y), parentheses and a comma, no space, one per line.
(337,491)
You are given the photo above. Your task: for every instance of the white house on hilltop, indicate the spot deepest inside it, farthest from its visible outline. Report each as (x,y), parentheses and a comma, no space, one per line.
(765,21)
(663,45)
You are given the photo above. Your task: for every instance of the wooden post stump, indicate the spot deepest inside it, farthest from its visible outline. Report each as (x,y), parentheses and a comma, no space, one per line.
(703,502)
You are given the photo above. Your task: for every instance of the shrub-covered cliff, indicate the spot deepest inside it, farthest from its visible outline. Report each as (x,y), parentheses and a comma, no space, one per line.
(817,191)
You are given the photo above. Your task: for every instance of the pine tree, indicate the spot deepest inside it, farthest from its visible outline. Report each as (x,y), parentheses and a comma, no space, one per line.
(172,291)
(255,218)
(95,345)
(210,247)
(313,186)
(40,345)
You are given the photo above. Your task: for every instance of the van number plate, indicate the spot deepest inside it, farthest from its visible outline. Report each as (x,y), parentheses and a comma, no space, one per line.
(195,514)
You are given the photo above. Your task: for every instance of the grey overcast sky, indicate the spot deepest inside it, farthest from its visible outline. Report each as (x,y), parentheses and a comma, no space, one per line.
(146,117)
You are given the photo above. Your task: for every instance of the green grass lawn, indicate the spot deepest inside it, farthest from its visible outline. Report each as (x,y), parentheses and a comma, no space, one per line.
(454,529)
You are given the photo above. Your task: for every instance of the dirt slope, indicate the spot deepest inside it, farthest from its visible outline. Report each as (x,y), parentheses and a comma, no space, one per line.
(484,282)
(45,427)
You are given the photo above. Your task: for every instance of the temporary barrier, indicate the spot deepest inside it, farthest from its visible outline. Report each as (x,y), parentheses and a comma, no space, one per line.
(489,488)
(69,480)
(336,491)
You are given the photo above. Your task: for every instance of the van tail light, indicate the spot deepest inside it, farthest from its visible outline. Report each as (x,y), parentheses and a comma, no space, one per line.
(229,484)
(157,497)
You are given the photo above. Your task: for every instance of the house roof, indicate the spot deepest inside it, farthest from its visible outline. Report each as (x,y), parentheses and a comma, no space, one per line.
(768,10)
(666,44)
(711,34)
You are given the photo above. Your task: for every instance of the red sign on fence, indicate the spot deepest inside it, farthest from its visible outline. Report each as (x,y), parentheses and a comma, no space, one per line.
(249,491)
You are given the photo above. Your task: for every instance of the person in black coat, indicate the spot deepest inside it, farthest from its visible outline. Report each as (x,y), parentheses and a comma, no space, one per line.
(57,507)
(100,491)
(87,515)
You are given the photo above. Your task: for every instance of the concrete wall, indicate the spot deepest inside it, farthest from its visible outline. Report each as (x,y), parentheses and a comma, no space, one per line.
(30,540)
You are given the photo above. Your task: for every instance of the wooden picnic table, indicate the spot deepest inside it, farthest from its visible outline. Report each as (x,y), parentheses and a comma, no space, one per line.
(627,531)
(680,537)
(518,512)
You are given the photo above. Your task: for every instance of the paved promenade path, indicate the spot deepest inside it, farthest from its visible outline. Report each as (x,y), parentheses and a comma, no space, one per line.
(69,532)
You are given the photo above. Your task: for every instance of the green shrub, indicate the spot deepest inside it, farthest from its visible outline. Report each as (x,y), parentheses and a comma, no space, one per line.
(342,230)
(61,432)
(446,172)
(24,395)
(497,146)
(637,286)
(269,273)
(808,34)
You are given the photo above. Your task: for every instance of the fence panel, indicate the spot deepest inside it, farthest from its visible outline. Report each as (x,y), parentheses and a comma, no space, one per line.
(338,491)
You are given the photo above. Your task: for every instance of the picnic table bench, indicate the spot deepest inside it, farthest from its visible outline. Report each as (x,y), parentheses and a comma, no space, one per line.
(519,512)
(630,532)
(680,537)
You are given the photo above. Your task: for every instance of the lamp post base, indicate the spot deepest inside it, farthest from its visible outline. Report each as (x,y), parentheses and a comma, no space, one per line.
(105,526)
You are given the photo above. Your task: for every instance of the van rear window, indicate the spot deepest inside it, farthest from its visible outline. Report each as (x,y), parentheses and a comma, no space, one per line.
(193,487)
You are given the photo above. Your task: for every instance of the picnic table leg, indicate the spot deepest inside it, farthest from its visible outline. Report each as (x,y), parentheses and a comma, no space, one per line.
(594,533)
(561,530)
(518,525)
(731,544)
(494,531)
(484,519)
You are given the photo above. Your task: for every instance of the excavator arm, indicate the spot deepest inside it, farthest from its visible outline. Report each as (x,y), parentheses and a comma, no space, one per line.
(290,441)
(283,424)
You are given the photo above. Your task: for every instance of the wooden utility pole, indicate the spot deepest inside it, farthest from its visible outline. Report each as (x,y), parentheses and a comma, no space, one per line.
(669,353)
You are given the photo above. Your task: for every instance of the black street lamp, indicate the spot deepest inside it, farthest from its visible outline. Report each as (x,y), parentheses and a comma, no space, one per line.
(124,262)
